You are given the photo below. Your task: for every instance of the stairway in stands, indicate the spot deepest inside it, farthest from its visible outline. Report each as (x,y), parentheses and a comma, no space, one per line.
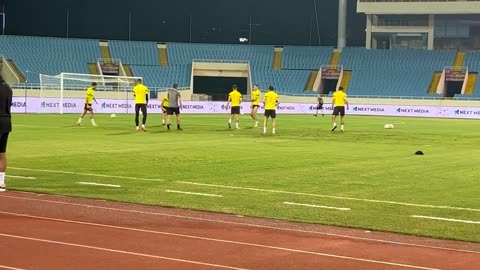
(105,50)
(432,89)
(16,71)
(471,83)
(162,54)
(128,70)
(93,69)
(277,58)
(311,80)
(437,75)
(347,74)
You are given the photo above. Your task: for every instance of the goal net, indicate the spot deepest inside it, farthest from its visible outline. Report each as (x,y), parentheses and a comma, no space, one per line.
(73,85)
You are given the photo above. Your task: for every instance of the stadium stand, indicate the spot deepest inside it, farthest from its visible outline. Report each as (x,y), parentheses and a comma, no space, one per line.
(472,61)
(303,57)
(393,72)
(49,55)
(260,57)
(374,72)
(135,52)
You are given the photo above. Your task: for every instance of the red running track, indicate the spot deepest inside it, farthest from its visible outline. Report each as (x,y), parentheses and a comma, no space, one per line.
(53,232)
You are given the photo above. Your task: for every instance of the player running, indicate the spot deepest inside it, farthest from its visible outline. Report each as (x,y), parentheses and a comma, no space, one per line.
(255,104)
(89,97)
(338,103)
(271,102)
(235,98)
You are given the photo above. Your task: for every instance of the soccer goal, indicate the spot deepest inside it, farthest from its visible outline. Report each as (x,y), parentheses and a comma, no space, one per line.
(72,86)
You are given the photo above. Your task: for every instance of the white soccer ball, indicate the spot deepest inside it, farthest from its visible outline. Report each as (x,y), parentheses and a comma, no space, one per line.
(388,126)
(113,115)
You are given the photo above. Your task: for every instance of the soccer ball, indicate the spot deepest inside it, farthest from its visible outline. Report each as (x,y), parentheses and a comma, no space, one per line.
(388,126)
(113,115)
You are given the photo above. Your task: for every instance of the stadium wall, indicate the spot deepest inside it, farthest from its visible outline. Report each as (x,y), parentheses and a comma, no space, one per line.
(123,103)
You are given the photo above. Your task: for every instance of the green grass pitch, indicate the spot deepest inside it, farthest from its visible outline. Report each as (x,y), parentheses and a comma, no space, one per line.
(368,169)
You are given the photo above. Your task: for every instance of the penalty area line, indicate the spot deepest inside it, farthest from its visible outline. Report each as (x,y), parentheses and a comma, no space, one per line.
(21,177)
(98,184)
(447,219)
(317,206)
(193,193)
(88,174)
(329,196)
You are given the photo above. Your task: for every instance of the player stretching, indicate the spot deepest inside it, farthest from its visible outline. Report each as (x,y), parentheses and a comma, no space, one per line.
(140,92)
(338,103)
(174,104)
(271,102)
(164,109)
(89,97)
(5,127)
(255,104)
(235,98)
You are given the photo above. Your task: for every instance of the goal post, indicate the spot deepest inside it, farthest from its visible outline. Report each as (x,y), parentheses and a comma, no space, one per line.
(73,85)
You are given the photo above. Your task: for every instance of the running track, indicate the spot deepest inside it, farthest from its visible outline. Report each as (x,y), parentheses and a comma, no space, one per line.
(53,232)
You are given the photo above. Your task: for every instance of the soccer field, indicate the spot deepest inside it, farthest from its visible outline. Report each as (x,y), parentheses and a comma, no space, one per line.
(367,177)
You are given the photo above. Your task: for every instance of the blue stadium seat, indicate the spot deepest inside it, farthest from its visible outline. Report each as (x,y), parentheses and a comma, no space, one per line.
(393,72)
(49,55)
(304,57)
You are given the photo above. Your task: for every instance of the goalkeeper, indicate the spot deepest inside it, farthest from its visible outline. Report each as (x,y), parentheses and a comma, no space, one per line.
(140,92)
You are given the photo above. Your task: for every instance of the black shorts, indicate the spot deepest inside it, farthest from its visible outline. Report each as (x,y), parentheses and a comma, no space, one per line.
(339,110)
(164,109)
(88,107)
(271,113)
(255,106)
(3,142)
(141,107)
(235,110)
(173,110)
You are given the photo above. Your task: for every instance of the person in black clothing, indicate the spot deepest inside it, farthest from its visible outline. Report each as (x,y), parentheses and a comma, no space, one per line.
(5,127)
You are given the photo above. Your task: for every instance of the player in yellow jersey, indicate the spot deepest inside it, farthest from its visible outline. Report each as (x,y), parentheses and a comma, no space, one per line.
(140,92)
(339,102)
(164,108)
(235,98)
(89,97)
(271,102)
(255,103)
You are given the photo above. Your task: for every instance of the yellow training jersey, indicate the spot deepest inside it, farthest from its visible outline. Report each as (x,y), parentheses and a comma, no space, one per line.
(256,97)
(235,97)
(89,94)
(140,92)
(271,100)
(339,98)
(165,101)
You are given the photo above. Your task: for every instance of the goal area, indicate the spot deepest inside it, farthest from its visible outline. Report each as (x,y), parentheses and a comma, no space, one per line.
(73,85)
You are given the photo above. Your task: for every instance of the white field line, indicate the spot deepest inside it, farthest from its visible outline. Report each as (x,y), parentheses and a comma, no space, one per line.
(119,251)
(221,241)
(21,177)
(317,206)
(98,184)
(88,174)
(90,206)
(330,196)
(447,219)
(193,193)
(10,268)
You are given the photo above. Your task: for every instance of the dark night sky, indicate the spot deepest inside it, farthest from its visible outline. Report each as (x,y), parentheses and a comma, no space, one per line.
(214,21)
